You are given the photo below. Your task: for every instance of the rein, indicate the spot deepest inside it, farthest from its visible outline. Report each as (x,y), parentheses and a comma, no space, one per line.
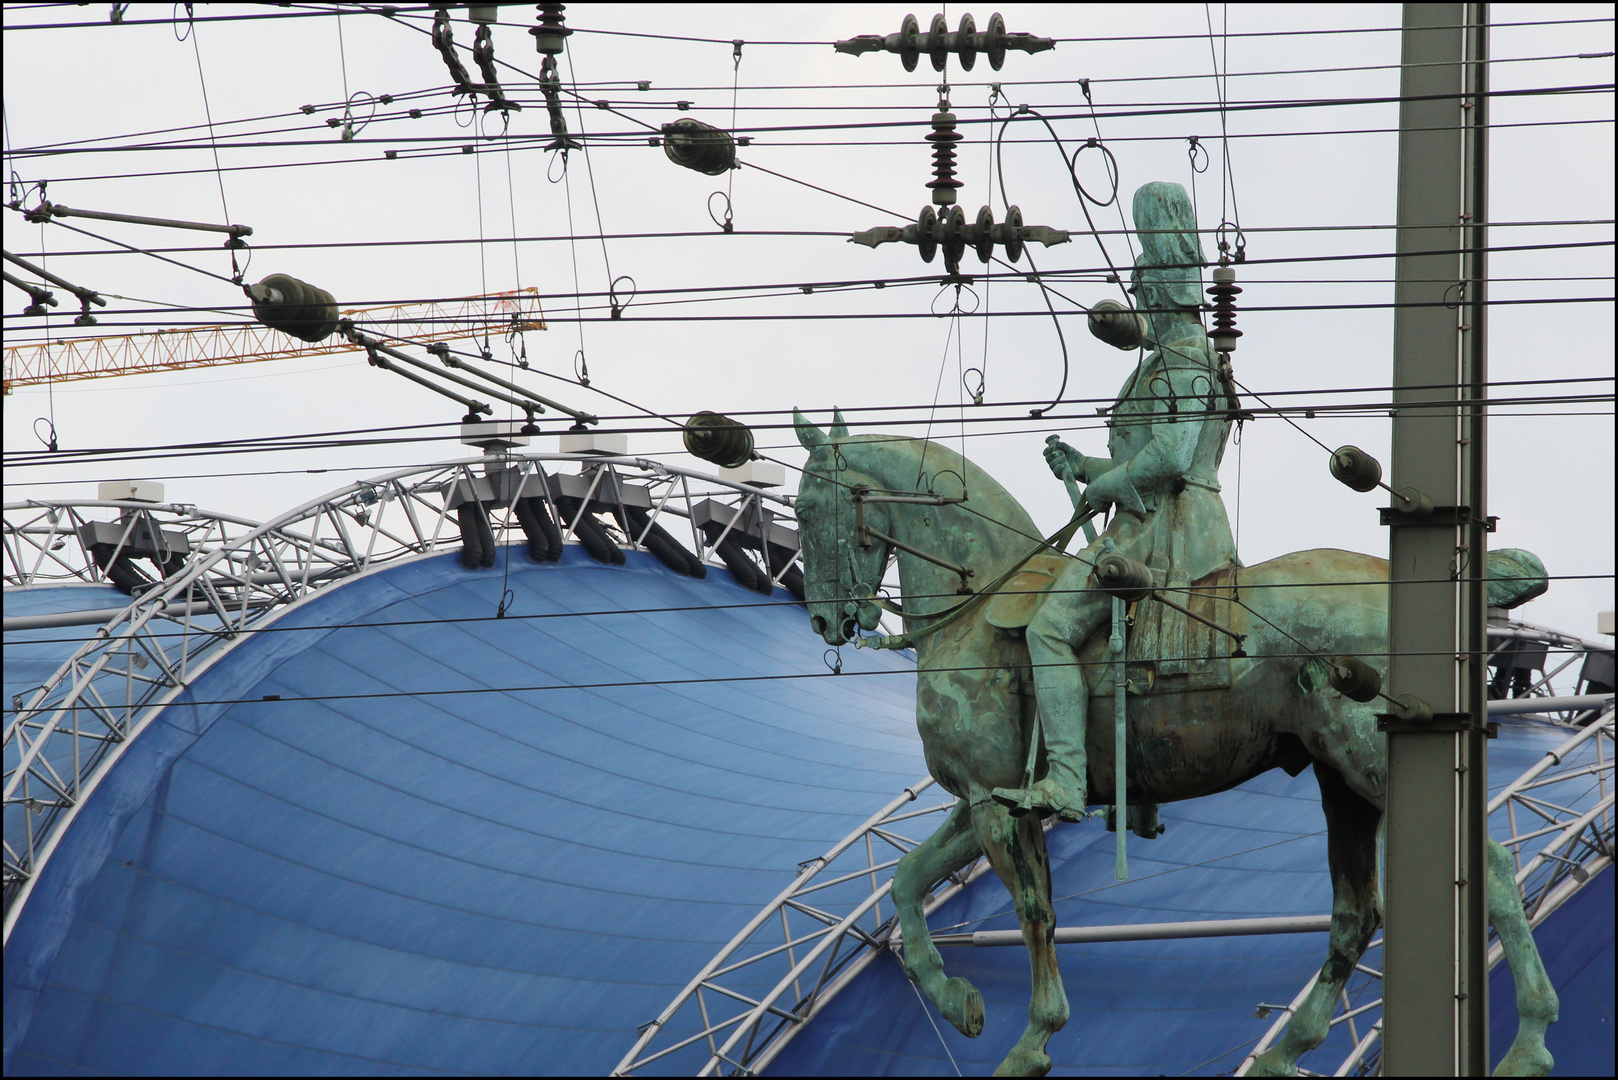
(1057,541)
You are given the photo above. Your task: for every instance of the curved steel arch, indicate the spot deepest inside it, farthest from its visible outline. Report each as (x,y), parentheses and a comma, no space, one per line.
(1556,849)
(809,952)
(74,728)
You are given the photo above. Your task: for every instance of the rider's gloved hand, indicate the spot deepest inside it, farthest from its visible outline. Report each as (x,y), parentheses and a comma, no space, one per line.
(1114,486)
(1065,462)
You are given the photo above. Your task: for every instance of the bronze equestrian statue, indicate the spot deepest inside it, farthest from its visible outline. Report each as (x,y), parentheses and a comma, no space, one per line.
(1160,476)
(1224,671)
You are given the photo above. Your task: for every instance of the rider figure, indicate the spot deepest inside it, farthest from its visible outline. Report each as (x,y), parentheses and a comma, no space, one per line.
(1161,478)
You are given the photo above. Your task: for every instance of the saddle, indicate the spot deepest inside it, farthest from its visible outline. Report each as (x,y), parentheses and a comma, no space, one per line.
(1167,652)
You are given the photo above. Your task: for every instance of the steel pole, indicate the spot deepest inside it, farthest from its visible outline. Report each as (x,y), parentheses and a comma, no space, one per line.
(1436,965)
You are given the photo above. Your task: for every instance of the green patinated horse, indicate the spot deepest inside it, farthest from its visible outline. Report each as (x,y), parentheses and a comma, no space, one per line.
(975,712)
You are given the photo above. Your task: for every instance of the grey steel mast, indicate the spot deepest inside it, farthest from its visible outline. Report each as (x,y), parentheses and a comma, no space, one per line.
(1436,1006)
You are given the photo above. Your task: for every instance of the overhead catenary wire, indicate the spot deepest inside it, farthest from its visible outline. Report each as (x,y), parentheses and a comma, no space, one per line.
(842,87)
(711,293)
(1137,113)
(291,699)
(1052,277)
(860,316)
(220,447)
(432,154)
(514,548)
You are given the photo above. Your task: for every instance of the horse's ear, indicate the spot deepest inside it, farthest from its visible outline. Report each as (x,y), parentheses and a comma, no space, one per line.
(839,426)
(810,436)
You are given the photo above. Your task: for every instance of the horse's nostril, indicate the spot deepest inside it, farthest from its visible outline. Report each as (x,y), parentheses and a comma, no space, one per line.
(851,629)
(818,622)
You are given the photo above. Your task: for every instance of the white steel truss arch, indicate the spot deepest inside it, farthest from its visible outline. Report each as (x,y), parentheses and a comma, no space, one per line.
(1557,849)
(238,575)
(805,953)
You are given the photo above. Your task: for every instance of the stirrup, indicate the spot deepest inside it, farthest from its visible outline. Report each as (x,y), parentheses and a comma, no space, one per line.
(1025,800)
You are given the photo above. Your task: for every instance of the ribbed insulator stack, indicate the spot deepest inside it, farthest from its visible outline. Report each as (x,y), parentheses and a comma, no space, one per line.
(293,307)
(550,36)
(1224,289)
(944,137)
(694,145)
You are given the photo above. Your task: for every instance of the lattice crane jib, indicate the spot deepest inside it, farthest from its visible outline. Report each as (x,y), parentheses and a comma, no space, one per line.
(34,363)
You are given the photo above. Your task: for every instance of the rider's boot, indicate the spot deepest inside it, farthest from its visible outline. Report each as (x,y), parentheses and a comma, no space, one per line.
(1063,698)
(1062,790)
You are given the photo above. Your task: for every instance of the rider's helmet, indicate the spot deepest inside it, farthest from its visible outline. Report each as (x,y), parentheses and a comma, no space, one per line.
(1171,260)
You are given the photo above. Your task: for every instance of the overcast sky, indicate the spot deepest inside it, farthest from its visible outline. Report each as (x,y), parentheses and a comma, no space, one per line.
(1323,177)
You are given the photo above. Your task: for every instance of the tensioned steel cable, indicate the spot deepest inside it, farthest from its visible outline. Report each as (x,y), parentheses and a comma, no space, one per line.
(289,699)
(514,547)
(860,316)
(700,295)
(1379,405)
(839,87)
(840,143)
(843,235)
(1137,113)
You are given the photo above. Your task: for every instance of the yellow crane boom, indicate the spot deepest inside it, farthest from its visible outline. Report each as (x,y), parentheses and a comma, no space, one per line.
(68,359)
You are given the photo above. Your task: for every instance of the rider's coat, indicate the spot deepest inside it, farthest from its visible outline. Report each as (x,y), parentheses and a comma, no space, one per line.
(1163,471)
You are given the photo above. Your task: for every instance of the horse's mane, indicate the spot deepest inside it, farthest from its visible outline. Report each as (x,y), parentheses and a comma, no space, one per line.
(901,463)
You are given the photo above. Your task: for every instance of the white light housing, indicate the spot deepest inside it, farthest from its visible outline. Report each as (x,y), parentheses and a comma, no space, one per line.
(494,434)
(593,442)
(756,473)
(130,491)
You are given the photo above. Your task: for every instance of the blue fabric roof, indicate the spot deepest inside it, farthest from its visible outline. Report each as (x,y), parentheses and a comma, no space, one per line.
(1146,1008)
(474,882)
(32,656)
(511,882)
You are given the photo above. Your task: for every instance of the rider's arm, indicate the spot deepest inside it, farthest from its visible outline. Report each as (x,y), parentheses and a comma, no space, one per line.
(1170,453)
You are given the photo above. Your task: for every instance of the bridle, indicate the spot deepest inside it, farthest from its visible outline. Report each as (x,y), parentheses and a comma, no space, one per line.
(1057,542)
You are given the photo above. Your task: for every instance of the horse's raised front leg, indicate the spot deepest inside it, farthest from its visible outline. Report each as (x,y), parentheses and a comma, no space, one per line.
(1016,848)
(953,846)
(1537,1004)
(1351,825)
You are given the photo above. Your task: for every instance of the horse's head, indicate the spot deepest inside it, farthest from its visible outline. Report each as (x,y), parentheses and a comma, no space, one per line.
(839,574)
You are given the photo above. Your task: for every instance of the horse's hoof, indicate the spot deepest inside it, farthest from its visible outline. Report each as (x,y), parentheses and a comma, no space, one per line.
(962,1006)
(1023,1061)
(1533,1060)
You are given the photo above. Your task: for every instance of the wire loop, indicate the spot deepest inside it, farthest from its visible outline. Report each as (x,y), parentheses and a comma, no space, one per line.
(955,306)
(725,224)
(49,438)
(612,295)
(550,168)
(1193,150)
(1227,231)
(1112,171)
(347,126)
(976,392)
